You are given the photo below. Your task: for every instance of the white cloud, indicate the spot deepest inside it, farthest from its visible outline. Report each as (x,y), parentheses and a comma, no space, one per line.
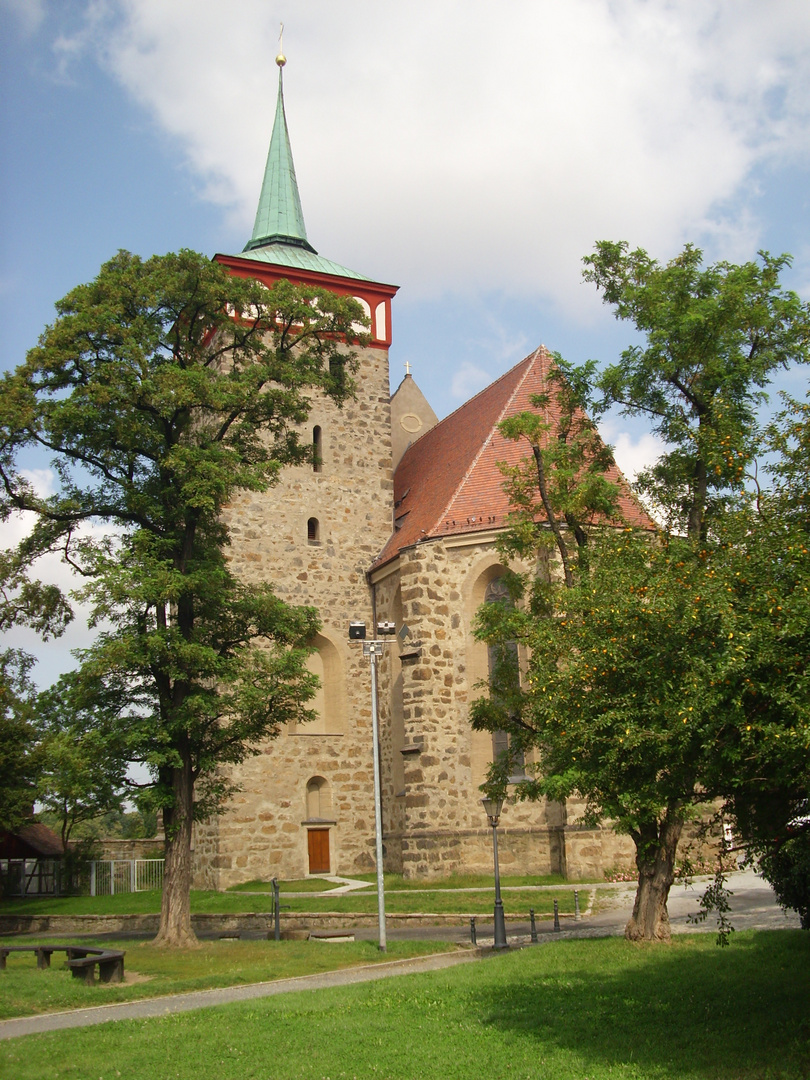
(448,148)
(634,454)
(467,380)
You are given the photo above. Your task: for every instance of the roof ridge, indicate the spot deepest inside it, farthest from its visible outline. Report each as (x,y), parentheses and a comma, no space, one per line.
(484,390)
(541,352)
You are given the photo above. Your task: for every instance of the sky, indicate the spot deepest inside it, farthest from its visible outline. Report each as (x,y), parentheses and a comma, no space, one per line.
(470,152)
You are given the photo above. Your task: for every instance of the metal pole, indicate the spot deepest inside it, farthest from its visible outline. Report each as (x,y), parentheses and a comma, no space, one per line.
(276,910)
(500,925)
(377,798)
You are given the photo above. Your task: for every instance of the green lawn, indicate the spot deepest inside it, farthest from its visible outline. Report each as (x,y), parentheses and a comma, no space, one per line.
(572,1010)
(302,885)
(24,990)
(364,902)
(459,881)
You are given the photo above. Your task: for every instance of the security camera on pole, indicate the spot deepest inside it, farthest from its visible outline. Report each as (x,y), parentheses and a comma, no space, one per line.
(373,650)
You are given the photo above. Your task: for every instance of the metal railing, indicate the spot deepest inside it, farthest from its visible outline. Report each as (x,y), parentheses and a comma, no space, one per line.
(111,876)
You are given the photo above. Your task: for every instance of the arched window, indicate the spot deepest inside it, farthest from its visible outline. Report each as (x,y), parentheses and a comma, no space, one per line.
(503,662)
(317,449)
(313,531)
(319,801)
(328,705)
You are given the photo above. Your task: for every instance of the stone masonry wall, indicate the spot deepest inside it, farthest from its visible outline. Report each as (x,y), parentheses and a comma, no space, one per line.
(264,832)
(436,824)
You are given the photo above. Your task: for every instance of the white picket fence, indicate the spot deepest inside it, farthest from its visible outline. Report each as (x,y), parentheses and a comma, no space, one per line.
(111,876)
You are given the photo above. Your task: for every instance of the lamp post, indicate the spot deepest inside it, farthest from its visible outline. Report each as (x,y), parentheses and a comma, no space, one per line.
(373,649)
(492,808)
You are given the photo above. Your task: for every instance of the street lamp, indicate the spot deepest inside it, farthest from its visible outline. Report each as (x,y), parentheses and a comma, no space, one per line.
(492,808)
(374,649)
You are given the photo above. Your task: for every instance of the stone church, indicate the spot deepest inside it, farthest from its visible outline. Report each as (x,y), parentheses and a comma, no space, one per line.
(397,521)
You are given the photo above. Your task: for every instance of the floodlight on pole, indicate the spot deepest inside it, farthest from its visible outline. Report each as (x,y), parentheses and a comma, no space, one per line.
(374,649)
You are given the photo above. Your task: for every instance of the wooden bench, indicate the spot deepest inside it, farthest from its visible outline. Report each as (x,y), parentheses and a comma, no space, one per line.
(81,960)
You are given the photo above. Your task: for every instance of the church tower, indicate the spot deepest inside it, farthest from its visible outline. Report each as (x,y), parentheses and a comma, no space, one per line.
(305,803)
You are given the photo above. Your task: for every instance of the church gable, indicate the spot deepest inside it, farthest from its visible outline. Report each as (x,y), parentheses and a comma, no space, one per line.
(448,482)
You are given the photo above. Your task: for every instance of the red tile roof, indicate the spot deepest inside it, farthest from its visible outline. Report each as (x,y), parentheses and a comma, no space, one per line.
(40,839)
(448,481)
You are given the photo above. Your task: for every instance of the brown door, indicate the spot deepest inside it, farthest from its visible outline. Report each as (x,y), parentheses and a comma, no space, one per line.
(318,845)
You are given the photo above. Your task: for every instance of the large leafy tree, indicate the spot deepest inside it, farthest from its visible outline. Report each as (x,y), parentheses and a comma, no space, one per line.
(767,793)
(637,667)
(163,388)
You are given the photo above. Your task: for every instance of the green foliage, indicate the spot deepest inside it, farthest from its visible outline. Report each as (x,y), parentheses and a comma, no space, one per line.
(563,484)
(163,388)
(670,670)
(713,338)
(84,754)
(768,791)
(20,757)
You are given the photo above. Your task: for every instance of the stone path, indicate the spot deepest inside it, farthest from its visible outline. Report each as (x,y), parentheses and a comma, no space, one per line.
(176,1003)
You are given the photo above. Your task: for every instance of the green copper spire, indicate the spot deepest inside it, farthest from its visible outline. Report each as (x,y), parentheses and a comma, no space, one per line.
(279,218)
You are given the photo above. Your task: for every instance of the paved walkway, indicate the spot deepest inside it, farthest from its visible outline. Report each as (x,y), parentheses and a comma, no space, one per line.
(752,907)
(176,1003)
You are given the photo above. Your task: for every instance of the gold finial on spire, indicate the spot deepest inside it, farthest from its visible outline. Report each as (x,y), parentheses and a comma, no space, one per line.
(407,367)
(281,59)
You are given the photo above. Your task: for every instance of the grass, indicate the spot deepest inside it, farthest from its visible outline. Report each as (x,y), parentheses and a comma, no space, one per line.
(574,1010)
(461,881)
(132,904)
(302,885)
(27,991)
(441,902)
(435,902)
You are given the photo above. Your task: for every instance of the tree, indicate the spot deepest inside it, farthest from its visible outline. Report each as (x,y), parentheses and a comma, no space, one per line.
(767,794)
(20,759)
(635,665)
(84,754)
(163,388)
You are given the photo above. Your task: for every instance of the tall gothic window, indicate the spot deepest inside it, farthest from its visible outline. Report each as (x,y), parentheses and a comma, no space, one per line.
(317,449)
(504,656)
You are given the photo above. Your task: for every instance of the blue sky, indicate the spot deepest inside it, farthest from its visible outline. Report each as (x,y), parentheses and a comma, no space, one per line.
(469,152)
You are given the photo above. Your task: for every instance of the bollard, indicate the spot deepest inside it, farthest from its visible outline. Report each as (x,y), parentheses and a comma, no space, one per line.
(577,916)
(556,916)
(276,911)
(534,925)
(473,938)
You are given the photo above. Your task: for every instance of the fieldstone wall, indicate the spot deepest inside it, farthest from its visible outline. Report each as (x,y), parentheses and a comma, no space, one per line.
(434,761)
(312,536)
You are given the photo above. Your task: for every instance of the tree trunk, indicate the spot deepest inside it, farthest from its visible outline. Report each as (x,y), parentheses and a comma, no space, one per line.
(656,845)
(175,906)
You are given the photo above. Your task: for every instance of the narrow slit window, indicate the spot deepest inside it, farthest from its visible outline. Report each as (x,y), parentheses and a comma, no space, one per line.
(313,531)
(317,449)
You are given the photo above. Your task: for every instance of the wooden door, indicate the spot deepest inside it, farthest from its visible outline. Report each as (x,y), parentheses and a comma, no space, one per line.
(318,847)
